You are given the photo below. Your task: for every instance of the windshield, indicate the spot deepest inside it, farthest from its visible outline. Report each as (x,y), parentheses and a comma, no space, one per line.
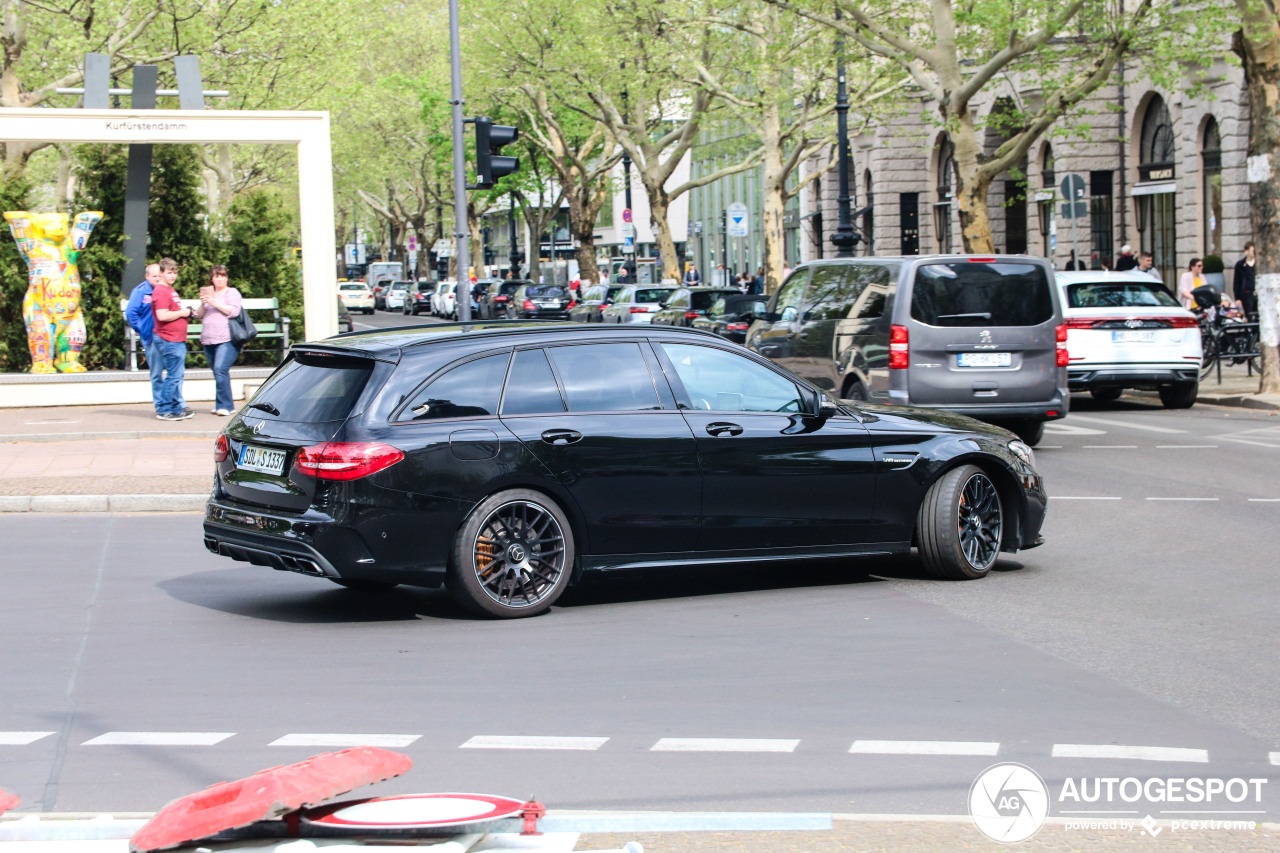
(967,293)
(1115,294)
(352,287)
(554,291)
(653,294)
(315,388)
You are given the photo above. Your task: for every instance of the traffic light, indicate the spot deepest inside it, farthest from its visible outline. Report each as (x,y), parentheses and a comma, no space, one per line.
(490,165)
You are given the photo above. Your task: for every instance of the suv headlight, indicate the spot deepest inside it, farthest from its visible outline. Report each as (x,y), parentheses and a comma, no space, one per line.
(1023,452)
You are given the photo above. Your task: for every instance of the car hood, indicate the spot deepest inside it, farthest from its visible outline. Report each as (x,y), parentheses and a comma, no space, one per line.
(932,419)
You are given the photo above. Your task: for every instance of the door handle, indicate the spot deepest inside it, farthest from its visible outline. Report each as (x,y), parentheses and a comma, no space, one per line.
(722,428)
(561,436)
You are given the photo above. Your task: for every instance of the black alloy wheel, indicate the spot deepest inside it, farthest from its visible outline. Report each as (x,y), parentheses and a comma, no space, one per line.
(513,556)
(960,524)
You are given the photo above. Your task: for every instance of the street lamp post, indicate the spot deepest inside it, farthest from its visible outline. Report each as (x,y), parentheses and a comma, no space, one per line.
(629,258)
(515,258)
(844,238)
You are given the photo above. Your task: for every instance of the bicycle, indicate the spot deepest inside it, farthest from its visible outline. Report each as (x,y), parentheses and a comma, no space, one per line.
(1228,340)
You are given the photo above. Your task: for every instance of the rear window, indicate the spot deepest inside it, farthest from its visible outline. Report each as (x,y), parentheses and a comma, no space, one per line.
(508,289)
(552,291)
(962,293)
(426,286)
(1116,294)
(352,287)
(705,300)
(314,388)
(653,294)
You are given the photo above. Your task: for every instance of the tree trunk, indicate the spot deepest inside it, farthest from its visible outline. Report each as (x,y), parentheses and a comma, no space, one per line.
(659,205)
(1259,45)
(583,214)
(972,184)
(774,204)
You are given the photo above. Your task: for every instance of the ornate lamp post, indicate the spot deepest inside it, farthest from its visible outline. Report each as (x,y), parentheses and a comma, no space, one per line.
(845,237)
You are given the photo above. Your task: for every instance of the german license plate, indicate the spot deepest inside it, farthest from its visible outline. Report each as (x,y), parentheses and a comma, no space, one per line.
(1133,336)
(548,304)
(984,359)
(264,459)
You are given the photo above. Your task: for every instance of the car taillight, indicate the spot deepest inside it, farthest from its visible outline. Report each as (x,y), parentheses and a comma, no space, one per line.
(982,260)
(528,305)
(692,315)
(737,327)
(344,460)
(1184,322)
(221,449)
(1064,358)
(572,302)
(898,348)
(639,309)
(1079,323)
(499,299)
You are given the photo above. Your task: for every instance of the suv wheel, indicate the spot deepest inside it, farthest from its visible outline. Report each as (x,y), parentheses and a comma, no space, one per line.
(1029,431)
(1106,395)
(1179,396)
(513,556)
(960,524)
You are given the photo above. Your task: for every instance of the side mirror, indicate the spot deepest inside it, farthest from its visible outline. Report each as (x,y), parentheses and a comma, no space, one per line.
(771,316)
(662,305)
(827,408)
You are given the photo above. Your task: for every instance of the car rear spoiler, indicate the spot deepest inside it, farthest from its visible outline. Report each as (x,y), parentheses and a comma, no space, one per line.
(320,349)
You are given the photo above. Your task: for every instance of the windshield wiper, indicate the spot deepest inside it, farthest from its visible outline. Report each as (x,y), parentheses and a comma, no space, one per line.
(982,315)
(266,407)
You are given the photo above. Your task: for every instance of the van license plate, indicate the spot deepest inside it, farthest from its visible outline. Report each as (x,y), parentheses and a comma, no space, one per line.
(984,359)
(263,459)
(1133,337)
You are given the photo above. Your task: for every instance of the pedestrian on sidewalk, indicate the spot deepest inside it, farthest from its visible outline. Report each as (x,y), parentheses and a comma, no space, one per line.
(140,318)
(1125,261)
(1191,279)
(1244,283)
(1146,265)
(219,302)
(171,328)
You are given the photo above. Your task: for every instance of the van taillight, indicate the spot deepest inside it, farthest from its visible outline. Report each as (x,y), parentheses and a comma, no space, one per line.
(1064,358)
(221,449)
(898,349)
(345,460)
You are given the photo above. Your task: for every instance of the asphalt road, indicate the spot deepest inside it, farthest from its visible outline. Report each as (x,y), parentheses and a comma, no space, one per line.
(1138,641)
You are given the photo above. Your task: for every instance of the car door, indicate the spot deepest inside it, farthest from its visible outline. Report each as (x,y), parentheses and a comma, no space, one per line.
(605,425)
(673,309)
(775,475)
(619,310)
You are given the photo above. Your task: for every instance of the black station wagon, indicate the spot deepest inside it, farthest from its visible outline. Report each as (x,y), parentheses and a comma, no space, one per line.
(506,459)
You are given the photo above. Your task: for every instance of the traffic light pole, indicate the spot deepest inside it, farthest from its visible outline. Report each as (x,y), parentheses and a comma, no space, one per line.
(462,247)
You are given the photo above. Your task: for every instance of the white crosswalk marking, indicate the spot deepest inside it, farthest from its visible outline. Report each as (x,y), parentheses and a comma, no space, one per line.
(1059,428)
(724,744)
(21,738)
(1133,753)
(158,739)
(532,742)
(1125,424)
(333,739)
(925,747)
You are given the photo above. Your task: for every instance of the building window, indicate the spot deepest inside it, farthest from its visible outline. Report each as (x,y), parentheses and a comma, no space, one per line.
(942,206)
(1044,203)
(869,218)
(1157,214)
(909,222)
(1211,157)
(1015,217)
(1101,219)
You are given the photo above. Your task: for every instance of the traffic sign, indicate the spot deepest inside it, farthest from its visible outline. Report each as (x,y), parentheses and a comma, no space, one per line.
(739,224)
(628,229)
(354,253)
(626,214)
(1073,190)
(413,243)
(628,245)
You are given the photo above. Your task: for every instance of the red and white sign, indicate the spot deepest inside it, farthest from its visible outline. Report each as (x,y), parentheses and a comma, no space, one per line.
(415,810)
(626,214)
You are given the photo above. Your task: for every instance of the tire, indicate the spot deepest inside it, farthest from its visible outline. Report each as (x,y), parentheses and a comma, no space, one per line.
(1030,432)
(1179,396)
(1106,395)
(857,392)
(360,585)
(531,549)
(959,525)
(368,311)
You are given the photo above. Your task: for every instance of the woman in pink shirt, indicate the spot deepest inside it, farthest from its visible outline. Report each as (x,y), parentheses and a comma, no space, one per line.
(218,304)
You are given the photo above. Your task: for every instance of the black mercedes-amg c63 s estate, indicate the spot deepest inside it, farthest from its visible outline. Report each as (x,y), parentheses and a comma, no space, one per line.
(505,459)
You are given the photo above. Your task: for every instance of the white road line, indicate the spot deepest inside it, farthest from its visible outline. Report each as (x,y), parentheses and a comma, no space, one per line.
(158,739)
(1182,499)
(1048,447)
(1059,428)
(1126,424)
(1185,446)
(334,739)
(724,744)
(21,738)
(1137,753)
(532,742)
(1264,500)
(1083,498)
(925,747)
(1111,447)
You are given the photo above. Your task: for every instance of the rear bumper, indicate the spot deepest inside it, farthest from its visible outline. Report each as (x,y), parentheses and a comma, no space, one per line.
(1083,378)
(1058,404)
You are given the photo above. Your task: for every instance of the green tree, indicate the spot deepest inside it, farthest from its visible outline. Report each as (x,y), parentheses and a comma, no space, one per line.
(14,354)
(260,230)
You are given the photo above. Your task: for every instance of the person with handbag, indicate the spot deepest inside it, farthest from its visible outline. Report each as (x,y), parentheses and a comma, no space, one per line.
(223,321)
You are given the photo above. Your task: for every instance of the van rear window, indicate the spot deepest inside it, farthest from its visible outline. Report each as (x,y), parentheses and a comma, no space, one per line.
(314,389)
(981,294)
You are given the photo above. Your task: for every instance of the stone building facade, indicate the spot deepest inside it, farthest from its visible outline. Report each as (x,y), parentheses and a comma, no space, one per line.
(1152,168)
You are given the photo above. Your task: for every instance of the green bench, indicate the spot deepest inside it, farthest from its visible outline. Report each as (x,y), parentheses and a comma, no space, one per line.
(273,333)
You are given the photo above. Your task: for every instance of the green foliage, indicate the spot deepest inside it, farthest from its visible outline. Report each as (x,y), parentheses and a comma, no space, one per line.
(256,254)
(1213,263)
(14,355)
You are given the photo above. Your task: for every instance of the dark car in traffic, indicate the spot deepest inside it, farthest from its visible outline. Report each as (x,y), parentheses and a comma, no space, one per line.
(540,302)
(592,304)
(418,299)
(493,306)
(687,304)
(731,315)
(507,460)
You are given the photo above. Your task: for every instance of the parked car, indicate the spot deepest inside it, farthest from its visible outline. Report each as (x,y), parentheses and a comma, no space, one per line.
(419,298)
(380,294)
(687,304)
(540,302)
(591,307)
(356,296)
(395,296)
(494,305)
(1125,330)
(506,461)
(730,316)
(443,303)
(344,318)
(635,304)
(982,336)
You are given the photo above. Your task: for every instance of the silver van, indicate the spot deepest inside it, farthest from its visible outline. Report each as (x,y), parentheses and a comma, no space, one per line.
(978,335)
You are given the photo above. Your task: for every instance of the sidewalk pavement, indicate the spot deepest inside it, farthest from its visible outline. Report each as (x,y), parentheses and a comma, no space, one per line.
(121,459)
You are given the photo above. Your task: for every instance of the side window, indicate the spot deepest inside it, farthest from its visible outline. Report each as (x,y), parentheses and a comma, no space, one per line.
(531,386)
(680,299)
(788,305)
(721,381)
(605,378)
(879,285)
(832,290)
(471,389)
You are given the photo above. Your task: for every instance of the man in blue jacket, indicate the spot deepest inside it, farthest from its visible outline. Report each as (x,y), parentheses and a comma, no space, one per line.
(142,320)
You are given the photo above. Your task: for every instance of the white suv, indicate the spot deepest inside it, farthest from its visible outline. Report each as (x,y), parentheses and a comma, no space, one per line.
(1126,330)
(443,301)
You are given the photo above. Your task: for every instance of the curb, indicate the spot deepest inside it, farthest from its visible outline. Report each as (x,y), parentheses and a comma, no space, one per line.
(103,503)
(30,437)
(1238,401)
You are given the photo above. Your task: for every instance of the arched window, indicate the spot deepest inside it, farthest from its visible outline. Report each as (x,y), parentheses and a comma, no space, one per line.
(1211,159)
(1156,189)
(942,205)
(1156,153)
(1044,201)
